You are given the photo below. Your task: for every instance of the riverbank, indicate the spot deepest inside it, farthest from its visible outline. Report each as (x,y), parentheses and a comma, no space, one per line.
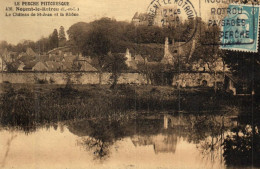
(30,104)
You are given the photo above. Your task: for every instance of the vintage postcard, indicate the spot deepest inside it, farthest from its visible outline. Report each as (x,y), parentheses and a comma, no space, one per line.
(129,84)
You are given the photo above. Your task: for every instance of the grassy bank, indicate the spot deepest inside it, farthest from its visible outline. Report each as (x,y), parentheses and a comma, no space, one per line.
(32,104)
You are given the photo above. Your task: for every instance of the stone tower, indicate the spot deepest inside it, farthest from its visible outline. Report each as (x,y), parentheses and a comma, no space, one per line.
(168,57)
(128,57)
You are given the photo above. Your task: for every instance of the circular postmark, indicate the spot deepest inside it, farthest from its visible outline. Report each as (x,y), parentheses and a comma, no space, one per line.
(179,16)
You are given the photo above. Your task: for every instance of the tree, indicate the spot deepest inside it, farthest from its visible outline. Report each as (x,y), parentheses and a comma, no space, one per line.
(205,51)
(116,65)
(43,45)
(4,45)
(77,34)
(98,45)
(62,36)
(54,39)
(243,150)
(12,66)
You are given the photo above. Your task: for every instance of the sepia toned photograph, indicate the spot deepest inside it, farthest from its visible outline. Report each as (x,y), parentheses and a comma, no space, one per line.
(129,84)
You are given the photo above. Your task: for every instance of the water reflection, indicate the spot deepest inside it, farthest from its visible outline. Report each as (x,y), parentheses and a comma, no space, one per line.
(163,134)
(98,135)
(242,146)
(164,140)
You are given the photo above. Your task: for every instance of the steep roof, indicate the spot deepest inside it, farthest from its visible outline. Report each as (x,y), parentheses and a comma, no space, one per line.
(85,66)
(27,59)
(141,16)
(136,16)
(54,66)
(132,64)
(30,52)
(40,66)
(67,66)
(29,65)
(139,58)
(62,49)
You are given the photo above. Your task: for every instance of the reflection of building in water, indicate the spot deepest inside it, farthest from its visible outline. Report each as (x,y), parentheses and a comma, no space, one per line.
(161,143)
(171,121)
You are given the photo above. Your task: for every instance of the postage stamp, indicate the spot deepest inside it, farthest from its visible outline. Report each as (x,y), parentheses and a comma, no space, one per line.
(232,25)
(174,14)
(241,28)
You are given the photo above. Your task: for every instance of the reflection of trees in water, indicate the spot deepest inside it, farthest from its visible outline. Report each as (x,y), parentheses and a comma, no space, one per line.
(100,148)
(207,131)
(210,135)
(211,148)
(242,147)
(99,135)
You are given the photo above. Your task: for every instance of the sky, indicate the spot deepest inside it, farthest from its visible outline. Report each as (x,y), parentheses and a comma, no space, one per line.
(16,29)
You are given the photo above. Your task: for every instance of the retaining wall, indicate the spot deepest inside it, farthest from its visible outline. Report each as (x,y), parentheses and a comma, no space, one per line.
(75,78)
(184,79)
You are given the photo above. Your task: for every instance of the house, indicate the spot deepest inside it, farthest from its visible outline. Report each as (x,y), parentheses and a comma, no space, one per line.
(26,59)
(176,51)
(159,19)
(40,66)
(67,66)
(8,60)
(29,65)
(130,61)
(140,19)
(54,66)
(216,66)
(21,66)
(82,64)
(30,52)
(237,87)
(9,56)
(139,59)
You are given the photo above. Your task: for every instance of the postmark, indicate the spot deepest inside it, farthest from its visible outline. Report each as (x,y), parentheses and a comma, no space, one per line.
(232,25)
(174,14)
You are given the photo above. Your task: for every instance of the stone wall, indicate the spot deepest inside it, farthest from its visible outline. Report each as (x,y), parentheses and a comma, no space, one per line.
(197,79)
(74,77)
(184,79)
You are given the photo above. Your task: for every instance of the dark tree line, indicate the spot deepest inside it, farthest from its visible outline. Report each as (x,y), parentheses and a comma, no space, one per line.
(44,44)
